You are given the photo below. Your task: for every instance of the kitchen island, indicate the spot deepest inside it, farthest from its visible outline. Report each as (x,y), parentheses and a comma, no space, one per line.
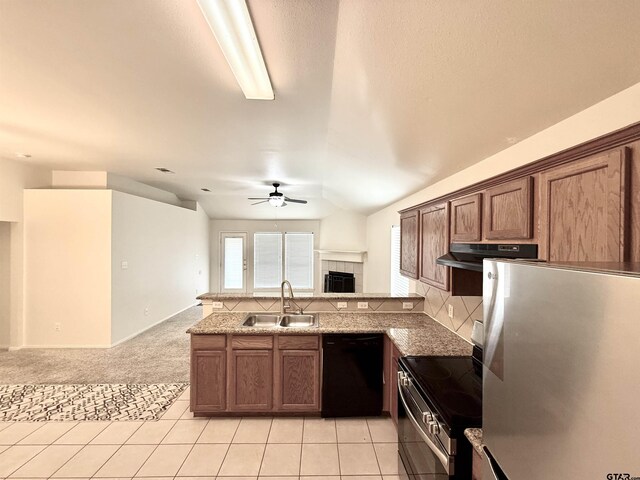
(240,370)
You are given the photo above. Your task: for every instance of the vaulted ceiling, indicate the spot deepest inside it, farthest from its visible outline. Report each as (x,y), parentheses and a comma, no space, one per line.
(375,99)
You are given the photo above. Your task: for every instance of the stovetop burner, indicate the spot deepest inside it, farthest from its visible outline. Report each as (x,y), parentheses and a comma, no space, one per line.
(451,385)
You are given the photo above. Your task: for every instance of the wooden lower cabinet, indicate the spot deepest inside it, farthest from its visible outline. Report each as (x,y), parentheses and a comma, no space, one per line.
(393,400)
(298,380)
(250,383)
(208,381)
(247,374)
(476,468)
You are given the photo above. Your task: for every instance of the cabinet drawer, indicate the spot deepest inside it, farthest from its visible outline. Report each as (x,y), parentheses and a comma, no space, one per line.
(208,342)
(299,342)
(251,342)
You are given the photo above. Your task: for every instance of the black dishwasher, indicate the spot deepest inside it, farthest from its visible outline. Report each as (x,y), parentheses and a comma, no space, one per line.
(352,375)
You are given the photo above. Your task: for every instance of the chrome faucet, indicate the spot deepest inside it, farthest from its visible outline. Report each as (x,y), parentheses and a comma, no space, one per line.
(284,307)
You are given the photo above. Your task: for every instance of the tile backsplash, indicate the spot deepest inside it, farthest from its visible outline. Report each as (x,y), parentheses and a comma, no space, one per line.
(465,309)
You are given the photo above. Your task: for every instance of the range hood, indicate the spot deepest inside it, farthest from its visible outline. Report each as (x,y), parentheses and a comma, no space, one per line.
(469,256)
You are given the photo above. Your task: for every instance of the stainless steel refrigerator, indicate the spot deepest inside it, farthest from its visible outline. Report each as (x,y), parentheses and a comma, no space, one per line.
(561,371)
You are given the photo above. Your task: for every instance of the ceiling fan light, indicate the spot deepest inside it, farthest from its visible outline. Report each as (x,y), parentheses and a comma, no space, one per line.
(276,201)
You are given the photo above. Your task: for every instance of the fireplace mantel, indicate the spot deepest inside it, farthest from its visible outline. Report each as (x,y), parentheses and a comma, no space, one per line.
(354,256)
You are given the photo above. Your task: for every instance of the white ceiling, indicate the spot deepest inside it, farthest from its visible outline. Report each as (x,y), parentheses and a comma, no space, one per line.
(374,98)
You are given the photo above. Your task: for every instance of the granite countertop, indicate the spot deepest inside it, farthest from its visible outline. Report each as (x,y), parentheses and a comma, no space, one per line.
(309,296)
(412,333)
(475,438)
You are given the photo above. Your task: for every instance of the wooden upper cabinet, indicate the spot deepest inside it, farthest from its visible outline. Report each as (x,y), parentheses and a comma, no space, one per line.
(434,242)
(466,219)
(251,380)
(409,243)
(508,210)
(583,207)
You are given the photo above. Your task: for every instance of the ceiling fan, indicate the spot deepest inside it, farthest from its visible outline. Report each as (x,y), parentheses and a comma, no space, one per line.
(276,198)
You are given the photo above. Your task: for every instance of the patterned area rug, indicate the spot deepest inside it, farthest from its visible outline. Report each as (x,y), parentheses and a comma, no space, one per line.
(112,402)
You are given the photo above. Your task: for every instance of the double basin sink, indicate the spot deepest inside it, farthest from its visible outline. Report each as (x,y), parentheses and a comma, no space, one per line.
(287,320)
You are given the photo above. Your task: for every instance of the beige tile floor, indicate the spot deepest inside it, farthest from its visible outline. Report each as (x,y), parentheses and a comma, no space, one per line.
(187,448)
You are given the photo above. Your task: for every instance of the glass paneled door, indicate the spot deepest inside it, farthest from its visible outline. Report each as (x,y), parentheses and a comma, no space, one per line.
(233,259)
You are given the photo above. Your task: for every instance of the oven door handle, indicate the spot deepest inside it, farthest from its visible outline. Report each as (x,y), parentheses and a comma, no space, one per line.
(444,458)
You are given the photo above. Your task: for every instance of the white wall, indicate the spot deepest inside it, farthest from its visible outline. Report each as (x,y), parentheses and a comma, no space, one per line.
(67,268)
(251,227)
(343,230)
(167,251)
(611,114)
(14,178)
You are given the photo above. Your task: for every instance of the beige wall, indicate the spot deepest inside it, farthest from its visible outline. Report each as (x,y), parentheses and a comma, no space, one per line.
(251,227)
(5,284)
(14,178)
(67,268)
(343,230)
(167,252)
(611,114)
(78,295)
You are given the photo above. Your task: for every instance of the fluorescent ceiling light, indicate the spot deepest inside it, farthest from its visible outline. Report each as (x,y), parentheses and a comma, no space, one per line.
(231,24)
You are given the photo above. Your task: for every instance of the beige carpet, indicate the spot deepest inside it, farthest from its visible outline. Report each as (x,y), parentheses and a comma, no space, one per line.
(159,355)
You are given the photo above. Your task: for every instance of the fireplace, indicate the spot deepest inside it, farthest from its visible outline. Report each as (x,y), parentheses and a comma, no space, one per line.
(339,282)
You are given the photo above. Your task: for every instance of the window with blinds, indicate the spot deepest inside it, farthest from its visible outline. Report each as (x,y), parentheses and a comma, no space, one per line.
(399,284)
(298,253)
(267,260)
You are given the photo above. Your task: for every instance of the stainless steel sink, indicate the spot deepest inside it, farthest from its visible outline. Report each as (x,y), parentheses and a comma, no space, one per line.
(288,320)
(301,320)
(261,320)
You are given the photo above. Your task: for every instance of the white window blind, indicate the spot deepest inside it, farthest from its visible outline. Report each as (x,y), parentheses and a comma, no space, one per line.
(267,260)
(399,284)
(298,252)
(233,263)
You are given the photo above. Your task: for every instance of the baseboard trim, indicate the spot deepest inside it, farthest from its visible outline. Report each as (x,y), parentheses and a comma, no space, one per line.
(133,335)
(71,346)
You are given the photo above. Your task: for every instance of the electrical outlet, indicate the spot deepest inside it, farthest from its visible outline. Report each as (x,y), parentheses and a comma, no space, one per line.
(146,311)
(450,311)
(124,265)
(342,305)
(363,304)
(57,326)
(407,305)
(217,305)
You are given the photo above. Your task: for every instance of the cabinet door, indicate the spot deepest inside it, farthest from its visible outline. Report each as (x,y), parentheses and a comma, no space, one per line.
(395,355)
(251,380)
(466,219)
(298,382)
(409,228)
(583,209)
(508,210)
(434,242)
(208,380)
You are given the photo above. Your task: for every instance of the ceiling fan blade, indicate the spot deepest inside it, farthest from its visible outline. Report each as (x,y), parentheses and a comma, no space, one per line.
(258,198)
(293,200)
(261,201)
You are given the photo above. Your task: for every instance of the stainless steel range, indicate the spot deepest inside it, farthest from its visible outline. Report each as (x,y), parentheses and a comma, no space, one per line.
(438,398)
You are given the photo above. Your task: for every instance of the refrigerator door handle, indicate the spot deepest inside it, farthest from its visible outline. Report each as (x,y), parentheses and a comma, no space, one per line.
(496,471)
(493,321)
